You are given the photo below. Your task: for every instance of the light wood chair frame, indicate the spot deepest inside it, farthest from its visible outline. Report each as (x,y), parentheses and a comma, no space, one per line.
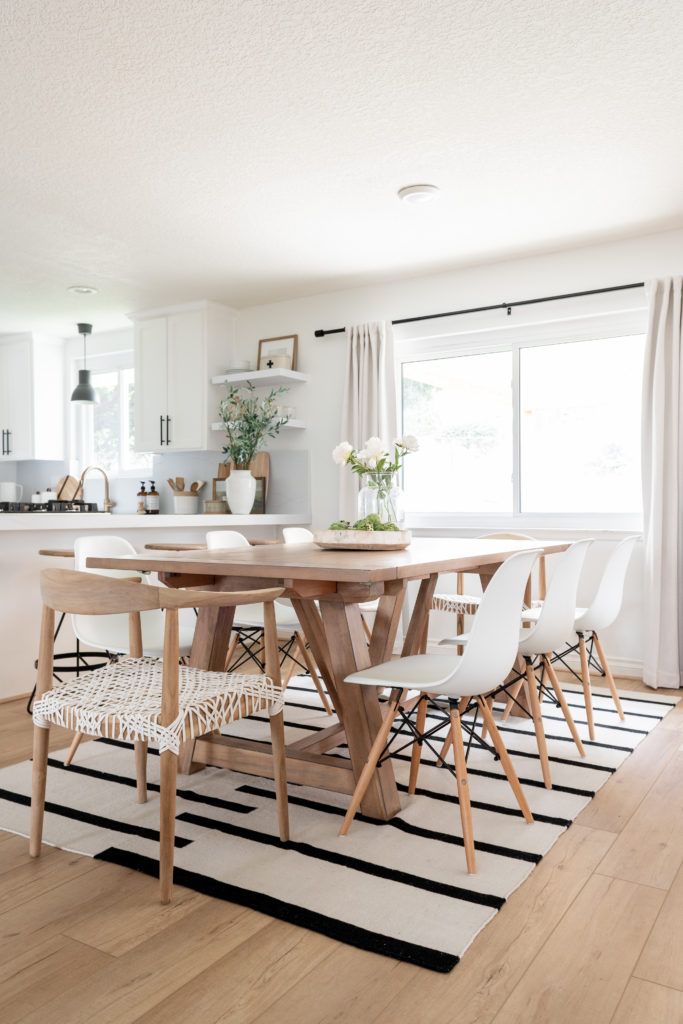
(64,590)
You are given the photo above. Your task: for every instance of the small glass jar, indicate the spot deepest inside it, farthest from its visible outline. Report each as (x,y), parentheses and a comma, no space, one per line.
(380,495)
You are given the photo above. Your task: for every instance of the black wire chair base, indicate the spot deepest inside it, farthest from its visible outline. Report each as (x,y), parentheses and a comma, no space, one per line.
(442,706)
(593,660)
(80,662)
(250,640)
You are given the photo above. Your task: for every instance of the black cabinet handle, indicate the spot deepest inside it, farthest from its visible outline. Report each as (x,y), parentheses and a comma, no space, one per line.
(161,430)
(168,430)
(9,450)
(4,447)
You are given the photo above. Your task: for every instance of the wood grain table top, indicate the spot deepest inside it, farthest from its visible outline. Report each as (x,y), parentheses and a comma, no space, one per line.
(309,562)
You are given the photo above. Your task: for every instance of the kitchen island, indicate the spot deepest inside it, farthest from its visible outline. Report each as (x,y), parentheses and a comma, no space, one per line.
(22,536)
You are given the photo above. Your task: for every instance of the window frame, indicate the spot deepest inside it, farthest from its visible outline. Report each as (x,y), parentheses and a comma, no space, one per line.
(82,450)
(513,338)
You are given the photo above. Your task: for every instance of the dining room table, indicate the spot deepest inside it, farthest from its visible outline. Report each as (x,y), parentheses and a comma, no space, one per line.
(326,588)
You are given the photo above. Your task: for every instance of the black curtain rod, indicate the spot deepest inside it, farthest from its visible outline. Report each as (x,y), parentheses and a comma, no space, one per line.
(499,305)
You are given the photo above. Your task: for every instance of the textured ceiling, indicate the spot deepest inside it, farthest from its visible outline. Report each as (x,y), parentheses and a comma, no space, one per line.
(250,150)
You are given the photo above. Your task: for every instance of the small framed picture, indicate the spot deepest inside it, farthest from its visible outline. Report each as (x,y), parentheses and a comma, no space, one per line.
(278,353)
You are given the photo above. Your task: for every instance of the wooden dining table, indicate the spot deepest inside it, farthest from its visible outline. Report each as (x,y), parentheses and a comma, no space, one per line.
(326,589)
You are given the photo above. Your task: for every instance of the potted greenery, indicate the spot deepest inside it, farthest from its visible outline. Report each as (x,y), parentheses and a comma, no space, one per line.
(249,421)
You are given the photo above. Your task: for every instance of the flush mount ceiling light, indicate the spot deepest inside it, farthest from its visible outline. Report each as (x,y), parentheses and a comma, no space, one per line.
(82,289)
(415,194)
(84,393)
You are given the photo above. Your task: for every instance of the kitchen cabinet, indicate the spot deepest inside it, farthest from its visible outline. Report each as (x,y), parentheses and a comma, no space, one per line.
(177,350)
(31,397)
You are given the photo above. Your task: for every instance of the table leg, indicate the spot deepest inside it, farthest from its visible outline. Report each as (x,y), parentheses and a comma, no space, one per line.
(360,707)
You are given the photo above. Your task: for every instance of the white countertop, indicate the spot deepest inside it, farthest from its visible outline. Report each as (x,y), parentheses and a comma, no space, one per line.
(39,521)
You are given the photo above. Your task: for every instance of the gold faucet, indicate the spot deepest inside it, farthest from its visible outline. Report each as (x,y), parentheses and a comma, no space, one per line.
(107,503)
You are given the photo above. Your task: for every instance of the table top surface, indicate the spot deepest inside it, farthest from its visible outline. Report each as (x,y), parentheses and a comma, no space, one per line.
(309,562)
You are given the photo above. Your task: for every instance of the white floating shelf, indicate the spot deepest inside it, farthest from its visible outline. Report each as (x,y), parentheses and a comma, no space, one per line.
(260,378)
(289,425)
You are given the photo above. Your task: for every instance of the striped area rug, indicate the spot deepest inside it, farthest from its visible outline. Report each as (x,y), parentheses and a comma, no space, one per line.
(399,888)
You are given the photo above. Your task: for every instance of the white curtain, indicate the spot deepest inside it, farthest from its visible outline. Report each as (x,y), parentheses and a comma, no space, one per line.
(369,408)
(663,486)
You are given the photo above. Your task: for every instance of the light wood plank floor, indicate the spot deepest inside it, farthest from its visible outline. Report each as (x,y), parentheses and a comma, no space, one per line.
(594,935)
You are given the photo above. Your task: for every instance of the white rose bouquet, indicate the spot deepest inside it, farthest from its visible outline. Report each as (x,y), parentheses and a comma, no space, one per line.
(379,465)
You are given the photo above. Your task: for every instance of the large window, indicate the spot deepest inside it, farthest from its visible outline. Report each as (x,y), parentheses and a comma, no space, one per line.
(525,429)
(104,434)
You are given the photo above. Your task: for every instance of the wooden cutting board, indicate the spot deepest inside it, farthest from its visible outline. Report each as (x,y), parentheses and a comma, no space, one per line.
(67,488)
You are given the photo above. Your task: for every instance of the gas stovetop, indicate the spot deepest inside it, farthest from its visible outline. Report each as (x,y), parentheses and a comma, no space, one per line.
(51,506)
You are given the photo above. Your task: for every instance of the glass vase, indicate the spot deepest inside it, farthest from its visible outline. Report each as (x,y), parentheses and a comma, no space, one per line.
(380,495)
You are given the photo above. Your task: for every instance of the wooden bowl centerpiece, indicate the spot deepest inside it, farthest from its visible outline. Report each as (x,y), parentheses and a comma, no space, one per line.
(367,534)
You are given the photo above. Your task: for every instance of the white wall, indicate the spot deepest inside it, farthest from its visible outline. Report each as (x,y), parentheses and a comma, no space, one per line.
(319,402)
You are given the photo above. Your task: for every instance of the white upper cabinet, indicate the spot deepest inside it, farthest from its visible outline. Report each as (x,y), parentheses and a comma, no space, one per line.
(31,397)
(177,351)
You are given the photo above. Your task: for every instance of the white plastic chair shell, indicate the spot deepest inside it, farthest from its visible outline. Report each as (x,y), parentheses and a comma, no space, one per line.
(297,535)
(555,622)
(110,632)
(251,615)
(489,655)
(609,598)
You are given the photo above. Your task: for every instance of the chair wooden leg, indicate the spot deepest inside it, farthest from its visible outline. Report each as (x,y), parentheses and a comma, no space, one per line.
(141,770)
(371,763)
(277,736)
(416,752)
(463,791)
(75,743)
(230,653)
(608,675)
(569,718)
(505,761)
(484,727)
(313,672)
(444,749)
(169,769)
(366,628)
(41,743)
(513,694)
(586,682)
(459,628)
(535,708)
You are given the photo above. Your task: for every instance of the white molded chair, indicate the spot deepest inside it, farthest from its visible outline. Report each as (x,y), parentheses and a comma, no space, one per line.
(142,700)
(553,621)
(247,631)
(461,604)
(589,623)
(109,633)
(462,679)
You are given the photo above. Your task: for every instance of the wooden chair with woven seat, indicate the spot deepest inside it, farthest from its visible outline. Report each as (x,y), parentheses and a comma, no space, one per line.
(143,700)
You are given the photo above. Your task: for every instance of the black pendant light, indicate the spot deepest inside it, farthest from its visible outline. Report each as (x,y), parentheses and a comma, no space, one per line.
(84,393)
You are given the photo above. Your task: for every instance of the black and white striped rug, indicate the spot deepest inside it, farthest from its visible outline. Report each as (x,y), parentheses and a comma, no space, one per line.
(399,888)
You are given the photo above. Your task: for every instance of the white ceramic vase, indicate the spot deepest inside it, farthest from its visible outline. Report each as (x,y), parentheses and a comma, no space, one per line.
(240,490)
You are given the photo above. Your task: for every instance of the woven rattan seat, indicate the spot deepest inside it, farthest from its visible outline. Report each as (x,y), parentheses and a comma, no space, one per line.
(123,701)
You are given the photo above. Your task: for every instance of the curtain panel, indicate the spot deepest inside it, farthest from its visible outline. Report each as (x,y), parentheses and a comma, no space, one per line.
(662,475)
(369,407)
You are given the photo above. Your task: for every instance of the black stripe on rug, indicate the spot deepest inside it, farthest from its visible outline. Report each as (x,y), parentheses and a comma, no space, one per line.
(122,780)
(93,819)
(400,825)
(343,860)
(352,935)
